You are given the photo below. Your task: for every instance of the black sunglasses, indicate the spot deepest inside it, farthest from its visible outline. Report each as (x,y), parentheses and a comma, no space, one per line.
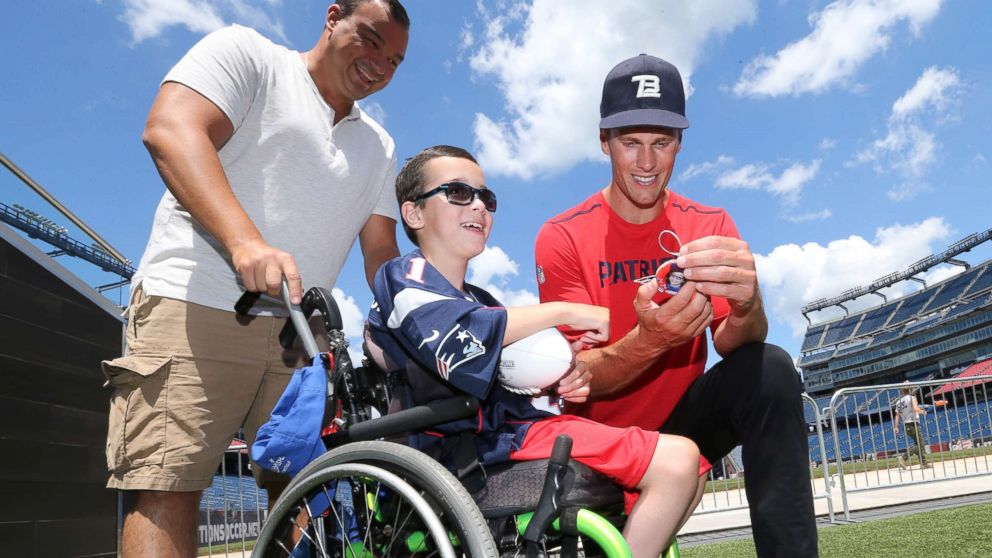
(459,193)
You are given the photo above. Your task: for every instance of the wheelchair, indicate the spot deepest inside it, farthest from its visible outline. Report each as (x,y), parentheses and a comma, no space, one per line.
(368,497)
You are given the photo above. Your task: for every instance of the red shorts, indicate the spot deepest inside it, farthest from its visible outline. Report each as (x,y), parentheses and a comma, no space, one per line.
(622,454)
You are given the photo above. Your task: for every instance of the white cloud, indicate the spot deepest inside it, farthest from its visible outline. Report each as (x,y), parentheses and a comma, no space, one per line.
(374,110)
(759,176)
(907,191)
(827,144)
(935,88)
(787,185)
(709,167)
(809,216)
(845,35)
(910,147)
(792,275)
(549,60)
(353,319)
(492,270)
(749,177)
(148,19)
(790,183)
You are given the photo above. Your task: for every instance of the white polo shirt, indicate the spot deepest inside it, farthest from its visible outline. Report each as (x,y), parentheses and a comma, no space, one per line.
(307,184)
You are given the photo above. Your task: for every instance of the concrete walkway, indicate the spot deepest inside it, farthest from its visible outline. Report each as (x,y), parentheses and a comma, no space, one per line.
(865,490)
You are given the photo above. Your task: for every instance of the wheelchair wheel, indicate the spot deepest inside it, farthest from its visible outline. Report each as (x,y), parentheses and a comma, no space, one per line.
(353,510)
(447,501)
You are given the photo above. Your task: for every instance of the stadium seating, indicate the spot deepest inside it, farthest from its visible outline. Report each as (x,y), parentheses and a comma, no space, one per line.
(813,336)
(242,491)
(965,292)
(983,283)
(841,331)
(875,320)
(921,324)
(969,306)
(940,426)
(910,306)
(953,289)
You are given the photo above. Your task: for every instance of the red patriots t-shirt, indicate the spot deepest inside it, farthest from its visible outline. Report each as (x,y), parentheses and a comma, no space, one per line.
(590,254)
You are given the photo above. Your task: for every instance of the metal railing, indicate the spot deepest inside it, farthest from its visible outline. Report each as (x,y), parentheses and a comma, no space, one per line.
(868,454)
(725,494)
(232,510)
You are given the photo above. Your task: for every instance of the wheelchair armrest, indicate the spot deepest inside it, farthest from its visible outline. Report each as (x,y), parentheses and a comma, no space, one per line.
(408,420)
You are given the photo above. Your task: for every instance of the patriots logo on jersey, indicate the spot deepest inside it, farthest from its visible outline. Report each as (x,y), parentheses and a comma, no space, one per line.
(458,347)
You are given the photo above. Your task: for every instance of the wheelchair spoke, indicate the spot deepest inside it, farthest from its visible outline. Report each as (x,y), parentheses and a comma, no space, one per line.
(410,507)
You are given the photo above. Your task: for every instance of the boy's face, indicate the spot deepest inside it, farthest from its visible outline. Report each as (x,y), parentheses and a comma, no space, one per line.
(443,228)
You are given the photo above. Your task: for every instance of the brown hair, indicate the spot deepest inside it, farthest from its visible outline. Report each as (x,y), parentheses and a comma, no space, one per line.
(396,10)
(410,180)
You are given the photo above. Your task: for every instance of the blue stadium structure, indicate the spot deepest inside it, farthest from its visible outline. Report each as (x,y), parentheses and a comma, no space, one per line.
(924,335)
(943,330)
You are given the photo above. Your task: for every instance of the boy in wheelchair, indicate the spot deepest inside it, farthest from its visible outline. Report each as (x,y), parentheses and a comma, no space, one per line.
(446,335)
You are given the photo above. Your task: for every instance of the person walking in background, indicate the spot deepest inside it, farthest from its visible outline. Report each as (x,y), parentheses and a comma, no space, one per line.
(247,135)
(907,410)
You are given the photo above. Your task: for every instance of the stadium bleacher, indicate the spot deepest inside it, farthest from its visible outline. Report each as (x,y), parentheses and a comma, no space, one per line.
(952,289)
(841,331)
(242,491)
(921,324)
(962,293)
(911,305)
(983,283)
(853,348)
(813,336)
(969,306)
(875,320)
(941,427)
(983,368)
(884,338)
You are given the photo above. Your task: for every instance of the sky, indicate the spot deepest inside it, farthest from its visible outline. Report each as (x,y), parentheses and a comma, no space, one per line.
(847,139)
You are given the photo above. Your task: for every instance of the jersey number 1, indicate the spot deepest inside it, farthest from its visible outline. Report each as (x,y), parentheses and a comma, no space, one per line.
(416,272)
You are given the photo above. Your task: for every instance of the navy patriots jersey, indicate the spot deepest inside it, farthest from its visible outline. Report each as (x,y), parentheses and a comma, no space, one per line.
(448,342)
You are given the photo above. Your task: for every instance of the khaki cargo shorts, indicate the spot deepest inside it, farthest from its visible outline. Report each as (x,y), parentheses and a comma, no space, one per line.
(190,378)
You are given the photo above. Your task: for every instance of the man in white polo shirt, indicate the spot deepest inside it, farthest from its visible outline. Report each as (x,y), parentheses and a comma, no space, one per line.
(271,170)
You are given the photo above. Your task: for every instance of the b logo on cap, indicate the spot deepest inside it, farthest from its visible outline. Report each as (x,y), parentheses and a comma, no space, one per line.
(647,85)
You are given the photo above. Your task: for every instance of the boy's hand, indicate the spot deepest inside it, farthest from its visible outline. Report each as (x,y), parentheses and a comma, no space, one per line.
(574,386)
(594,321)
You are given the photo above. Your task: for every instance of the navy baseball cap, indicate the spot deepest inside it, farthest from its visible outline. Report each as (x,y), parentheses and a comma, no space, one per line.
(643,91)
(291,437)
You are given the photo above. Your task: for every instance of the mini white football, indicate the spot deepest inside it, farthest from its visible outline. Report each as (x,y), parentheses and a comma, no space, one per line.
(535,362)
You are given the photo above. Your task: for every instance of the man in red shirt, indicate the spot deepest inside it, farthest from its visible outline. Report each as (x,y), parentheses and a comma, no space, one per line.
(605,250)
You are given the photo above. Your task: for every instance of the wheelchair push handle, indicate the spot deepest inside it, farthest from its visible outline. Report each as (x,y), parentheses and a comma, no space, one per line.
(317,298)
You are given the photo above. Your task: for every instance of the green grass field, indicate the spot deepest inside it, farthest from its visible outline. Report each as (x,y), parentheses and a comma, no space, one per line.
(957,532)
(865,466)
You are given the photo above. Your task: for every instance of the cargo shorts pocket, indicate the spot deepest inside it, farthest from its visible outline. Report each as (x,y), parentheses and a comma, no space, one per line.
(138,411)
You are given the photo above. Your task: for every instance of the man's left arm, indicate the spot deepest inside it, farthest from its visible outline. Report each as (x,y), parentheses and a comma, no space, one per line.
(378,241)
(724,266)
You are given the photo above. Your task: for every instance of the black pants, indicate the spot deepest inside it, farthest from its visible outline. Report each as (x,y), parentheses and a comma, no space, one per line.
(753,398)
